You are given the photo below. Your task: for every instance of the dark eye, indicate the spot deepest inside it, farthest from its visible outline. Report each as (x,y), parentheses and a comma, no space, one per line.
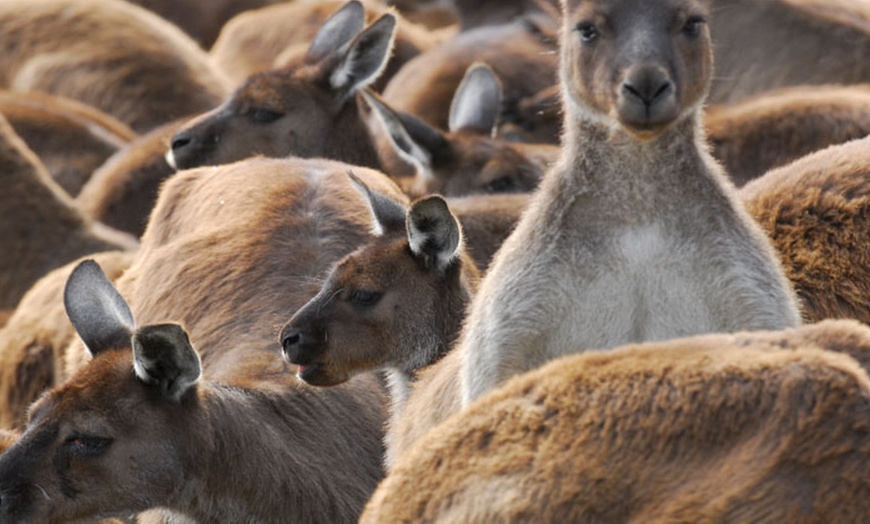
(587,31)
(261,115)
(692,27)
(86,446)
(501,185)
(363,298)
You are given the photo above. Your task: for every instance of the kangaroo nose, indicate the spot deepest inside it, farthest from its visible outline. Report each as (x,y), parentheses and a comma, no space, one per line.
(290,339)
(647,89)
(180,141)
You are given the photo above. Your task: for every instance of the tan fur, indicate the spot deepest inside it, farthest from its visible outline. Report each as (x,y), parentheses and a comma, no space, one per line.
(487,220)
(277,35)
(817,212)
(123,191)
(70,138)
(761,46)
(636,235)
(41,227)
(771,129)
(34,341)
(753,427)
(115,56)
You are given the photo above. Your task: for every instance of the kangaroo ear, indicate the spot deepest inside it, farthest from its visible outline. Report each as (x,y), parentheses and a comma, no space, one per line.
(433,232)
(414,140)
(476,104)
(336,31)
(99,314)
(365,58)
(163,356)
(387,214)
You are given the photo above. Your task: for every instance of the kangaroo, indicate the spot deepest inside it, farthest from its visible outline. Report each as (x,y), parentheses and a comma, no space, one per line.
(117,57)
(750,427)
(467,159)
(396,303)
(70,138)
(636,234)
(309,110)
(140,426)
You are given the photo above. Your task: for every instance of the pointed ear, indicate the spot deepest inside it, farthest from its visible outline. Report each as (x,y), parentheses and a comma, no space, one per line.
(477,102)
(433,232)
(387,214)
(336,31)
(163,357)
(365,58)
(414,140)
(99,314)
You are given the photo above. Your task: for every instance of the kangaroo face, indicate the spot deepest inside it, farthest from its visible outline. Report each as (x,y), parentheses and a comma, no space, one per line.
(640,64)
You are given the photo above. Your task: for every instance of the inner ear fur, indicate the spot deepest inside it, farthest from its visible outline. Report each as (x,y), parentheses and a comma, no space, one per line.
(164,357)
(97,311)
(434,233)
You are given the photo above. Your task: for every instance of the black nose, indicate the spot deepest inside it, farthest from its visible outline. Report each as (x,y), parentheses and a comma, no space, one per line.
(290,339)
(180,141)
(647,89)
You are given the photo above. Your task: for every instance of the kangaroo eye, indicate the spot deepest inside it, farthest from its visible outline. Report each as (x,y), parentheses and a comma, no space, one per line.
(261,115)
(86,445)
(501,185)
(587,31)
(363,298)
(692,27)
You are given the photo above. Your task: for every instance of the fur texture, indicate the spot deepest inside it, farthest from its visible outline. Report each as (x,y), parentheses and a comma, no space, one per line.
(42,226)
(817,212)
(752,427)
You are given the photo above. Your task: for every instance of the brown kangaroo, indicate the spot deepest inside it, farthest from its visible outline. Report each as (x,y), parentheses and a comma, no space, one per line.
(603,256)
(139,426)
(759,133)
(34,341)
(522,55)
(817,212)
(748,427)
(762,46)
(121,193)
(117,57)
(466,159)
(274,36)
(70,138)
(42,228)
(309,111)
(396,303)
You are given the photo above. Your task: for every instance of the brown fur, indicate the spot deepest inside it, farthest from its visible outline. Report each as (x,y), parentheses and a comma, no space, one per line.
(41,225)
(257,448)
(202,20)
(765,426)
(112,55)
(231,260)
(761,46)
(308,110)
(277,35)
(217,245)
(817,212)
(70,138)
(122,192)
(487,220)
(34,341)
(476,13)
(771,129)
(522,56)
